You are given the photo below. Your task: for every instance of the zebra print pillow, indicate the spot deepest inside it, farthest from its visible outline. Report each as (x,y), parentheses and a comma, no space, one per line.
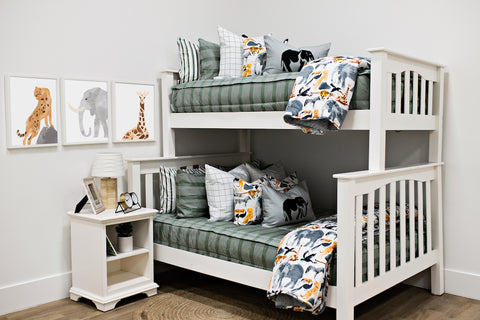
(189,60)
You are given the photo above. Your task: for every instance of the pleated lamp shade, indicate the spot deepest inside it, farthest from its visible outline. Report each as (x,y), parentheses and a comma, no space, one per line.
(108,166)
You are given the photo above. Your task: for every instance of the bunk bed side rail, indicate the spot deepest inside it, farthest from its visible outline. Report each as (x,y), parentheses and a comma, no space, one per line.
(412,195)
(143,173)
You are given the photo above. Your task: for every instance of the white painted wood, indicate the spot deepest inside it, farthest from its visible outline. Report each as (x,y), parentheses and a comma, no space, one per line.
(106,280)
(358,240)
(345,250)
(370,236)
(149,195)
(437,270)
(423,91)
(421,246)
(430,98)
(415,93)
(429,217)
(398,93)
(393,225)
(382,229)
(403,229)
(378,108)
(411,217)
(406,93)
(167,80)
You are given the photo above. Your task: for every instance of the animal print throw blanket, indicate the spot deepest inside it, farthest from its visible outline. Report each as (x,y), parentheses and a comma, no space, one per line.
(300,272)
(322,93)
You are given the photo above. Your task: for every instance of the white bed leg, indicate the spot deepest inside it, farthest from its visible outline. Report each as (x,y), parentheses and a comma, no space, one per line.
(345,312)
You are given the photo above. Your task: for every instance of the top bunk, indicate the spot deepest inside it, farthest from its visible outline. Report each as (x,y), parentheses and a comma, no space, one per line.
(393,79)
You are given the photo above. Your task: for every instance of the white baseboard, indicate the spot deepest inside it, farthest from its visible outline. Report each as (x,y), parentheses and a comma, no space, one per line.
(462,283)
(32,293)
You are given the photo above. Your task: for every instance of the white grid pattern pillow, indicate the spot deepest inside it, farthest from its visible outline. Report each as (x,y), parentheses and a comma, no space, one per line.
(219,187)
(189,60)
(231,54)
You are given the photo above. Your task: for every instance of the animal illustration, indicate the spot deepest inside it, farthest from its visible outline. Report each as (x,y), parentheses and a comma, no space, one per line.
(95,101)
(43,110)
(254,54)
(298,205)
(290,57)
(140,132)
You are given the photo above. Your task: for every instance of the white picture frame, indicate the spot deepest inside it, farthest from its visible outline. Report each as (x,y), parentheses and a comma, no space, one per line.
(126,107)
(85,111)
(93,195)
(31,112)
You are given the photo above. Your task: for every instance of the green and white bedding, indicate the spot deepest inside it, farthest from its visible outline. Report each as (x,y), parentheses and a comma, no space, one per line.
(260,93)
(251,245)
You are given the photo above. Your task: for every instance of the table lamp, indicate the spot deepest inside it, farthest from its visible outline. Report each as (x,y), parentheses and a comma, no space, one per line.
(108,166)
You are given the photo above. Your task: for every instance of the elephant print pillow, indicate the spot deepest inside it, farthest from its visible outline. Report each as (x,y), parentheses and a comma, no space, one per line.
(282,208)
(282,57)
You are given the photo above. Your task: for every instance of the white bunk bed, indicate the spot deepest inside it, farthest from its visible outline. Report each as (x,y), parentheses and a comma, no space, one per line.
(419,185)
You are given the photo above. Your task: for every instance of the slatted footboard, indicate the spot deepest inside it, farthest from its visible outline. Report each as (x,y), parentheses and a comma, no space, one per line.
(409,240)
(413,245)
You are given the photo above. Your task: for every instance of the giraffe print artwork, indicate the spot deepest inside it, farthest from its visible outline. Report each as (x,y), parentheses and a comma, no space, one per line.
(139,132)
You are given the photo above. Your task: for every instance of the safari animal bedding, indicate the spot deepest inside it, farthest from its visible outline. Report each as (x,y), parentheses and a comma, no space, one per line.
(322,93)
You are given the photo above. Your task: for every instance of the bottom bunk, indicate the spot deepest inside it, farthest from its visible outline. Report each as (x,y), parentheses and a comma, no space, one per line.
(366,261)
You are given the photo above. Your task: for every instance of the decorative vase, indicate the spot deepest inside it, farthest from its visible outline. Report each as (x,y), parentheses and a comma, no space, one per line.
(125,244)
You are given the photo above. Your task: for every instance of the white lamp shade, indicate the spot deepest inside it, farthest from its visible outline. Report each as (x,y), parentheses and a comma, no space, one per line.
(108,165)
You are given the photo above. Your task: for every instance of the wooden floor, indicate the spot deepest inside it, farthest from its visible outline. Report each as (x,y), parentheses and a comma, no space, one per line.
(400,302)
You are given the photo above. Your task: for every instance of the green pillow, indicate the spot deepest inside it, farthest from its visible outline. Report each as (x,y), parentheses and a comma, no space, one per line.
(191,193)
(209,54)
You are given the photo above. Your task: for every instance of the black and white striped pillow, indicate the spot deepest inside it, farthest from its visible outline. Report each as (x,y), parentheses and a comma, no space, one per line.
(189,60)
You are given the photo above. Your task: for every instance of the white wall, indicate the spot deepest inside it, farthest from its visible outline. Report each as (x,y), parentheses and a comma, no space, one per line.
(134,40)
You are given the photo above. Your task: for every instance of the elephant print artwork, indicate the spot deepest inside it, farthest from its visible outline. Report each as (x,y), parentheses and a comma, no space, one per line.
(86,112)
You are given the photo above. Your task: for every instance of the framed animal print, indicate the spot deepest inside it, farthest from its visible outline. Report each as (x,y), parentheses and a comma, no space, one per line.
(85,111)
(31,111)
(133,112)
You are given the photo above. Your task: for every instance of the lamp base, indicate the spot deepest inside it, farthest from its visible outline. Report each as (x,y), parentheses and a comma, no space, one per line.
(108,191)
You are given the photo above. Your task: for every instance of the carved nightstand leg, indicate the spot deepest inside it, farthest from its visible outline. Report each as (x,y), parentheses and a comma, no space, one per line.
(106,306)
(151,292)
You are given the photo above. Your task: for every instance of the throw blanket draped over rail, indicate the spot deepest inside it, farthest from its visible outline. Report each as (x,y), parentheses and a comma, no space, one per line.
(322,93)
(299,278)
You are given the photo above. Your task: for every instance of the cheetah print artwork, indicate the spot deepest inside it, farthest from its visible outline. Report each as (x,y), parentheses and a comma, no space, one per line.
(33,124)
(322,93)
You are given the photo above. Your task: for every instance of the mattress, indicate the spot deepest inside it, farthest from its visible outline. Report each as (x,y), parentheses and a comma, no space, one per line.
(251,245)
(259,93)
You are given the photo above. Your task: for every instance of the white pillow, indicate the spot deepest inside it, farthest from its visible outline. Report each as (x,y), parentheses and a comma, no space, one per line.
(219,186)
(231,49)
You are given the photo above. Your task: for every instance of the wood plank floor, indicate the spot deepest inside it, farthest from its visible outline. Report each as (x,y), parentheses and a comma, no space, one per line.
(400,302)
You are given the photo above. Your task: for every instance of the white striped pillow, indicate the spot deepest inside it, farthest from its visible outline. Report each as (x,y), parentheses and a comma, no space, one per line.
(189,60)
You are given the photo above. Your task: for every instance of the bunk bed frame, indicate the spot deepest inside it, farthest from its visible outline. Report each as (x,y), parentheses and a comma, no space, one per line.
(419,185)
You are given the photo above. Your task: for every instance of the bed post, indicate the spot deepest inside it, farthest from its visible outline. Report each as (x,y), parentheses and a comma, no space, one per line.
(377,133)
(167,80)
(345,250)
(244,144)
(437,272)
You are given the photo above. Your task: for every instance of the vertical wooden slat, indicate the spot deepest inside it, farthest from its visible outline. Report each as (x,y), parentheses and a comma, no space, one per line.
(421,246)
(415,93)
(149,190)
(370,236)
(382,200)
(406,107)
(398,93)
(403,249)
(422,96)
(393,225)
(411,217)
(429,215)
(430,98)
(389,93)
(358,239)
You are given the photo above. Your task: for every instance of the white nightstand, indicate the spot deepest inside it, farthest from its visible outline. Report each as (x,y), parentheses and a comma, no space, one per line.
(106,280)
